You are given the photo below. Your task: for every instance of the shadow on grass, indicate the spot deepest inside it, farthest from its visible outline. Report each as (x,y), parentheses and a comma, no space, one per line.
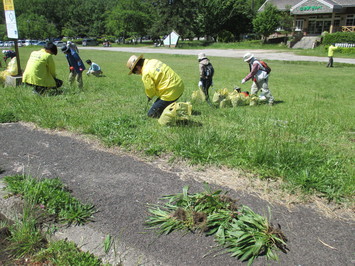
(188,123)
(278,102)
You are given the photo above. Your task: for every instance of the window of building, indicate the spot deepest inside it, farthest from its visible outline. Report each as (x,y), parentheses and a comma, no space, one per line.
(299,25)
(350,20)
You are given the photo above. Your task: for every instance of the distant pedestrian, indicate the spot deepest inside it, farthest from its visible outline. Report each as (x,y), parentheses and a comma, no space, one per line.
(331,50)
(8,54)
(206,74)
(76,66)
(72,46)
(159,80)
(260,78)
(40,72)
(94,69)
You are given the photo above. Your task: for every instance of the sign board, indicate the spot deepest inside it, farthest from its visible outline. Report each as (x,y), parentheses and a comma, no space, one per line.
(172,39)
(10,17)
(312,7)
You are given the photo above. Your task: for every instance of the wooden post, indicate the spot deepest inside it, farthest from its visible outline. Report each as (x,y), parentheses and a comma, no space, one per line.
(19,73)
(332,23)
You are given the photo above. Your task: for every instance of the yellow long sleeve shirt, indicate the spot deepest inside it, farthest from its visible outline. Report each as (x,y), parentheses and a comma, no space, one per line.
(40,69)
(331,50)
(161,81)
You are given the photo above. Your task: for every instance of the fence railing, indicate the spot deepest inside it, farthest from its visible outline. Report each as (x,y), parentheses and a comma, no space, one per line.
(345,45)
(348,28)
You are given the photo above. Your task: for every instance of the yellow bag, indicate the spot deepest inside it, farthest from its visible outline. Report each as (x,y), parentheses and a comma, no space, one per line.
(225,103)
(239,99)
(219,95)
(198,96)
(254,100)
(12,67)
(11,70)
(174,112)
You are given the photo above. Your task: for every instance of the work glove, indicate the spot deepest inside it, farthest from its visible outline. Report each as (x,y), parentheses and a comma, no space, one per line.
(243,81)
(200,83)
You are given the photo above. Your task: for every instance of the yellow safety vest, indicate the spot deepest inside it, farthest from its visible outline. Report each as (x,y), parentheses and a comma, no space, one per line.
(40,69)
(161,81)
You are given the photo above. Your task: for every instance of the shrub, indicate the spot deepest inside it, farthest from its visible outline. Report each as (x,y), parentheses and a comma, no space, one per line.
(339,37)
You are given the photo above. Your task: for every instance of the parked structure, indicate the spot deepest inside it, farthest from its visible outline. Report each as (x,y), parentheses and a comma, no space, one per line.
(313,17)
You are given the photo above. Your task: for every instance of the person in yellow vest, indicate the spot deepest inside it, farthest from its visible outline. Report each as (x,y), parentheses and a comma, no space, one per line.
(159,81)
(331,50)
(40,72)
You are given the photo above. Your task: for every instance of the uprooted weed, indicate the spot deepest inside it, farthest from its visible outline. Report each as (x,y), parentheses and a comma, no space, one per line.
(238,229)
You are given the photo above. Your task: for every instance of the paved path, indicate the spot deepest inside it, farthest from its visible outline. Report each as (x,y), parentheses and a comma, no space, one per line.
(234,53)
(121,186)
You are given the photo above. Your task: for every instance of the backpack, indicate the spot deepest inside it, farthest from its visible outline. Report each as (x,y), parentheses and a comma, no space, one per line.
(267,69)
(208,71)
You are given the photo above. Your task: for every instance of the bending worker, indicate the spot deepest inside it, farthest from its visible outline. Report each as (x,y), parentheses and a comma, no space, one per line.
(259,76)
(76,66)
(159,80)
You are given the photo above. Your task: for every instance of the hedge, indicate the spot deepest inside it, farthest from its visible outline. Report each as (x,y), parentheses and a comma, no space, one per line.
(339,37)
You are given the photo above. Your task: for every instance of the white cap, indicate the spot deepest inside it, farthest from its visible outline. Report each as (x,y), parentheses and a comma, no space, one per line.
(247,57)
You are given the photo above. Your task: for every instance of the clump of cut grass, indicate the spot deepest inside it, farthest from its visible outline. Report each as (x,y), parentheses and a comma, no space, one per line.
(238,229)
(251,235)
(52,196)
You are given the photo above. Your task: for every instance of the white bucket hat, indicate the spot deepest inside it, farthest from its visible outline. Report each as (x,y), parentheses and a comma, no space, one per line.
(201,56)
(247,57)
(132,62)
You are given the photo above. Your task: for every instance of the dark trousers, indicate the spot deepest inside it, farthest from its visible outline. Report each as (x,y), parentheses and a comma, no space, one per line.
(206,84)
(41,90)
(330,62)
(158,107)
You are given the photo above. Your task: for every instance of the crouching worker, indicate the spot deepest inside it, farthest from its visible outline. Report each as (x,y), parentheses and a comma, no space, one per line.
(94,69)
(40,72)
(159,80)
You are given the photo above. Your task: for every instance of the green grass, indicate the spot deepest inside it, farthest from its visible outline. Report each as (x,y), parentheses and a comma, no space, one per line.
(66,253)
(52,196)
(25,238)
(305,139)
(322,51)
(44,201)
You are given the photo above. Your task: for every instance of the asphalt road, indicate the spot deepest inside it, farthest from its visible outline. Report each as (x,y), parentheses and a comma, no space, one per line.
(121,186)
(232,53)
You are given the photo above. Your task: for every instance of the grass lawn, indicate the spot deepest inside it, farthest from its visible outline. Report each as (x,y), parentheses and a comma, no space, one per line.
(306,139)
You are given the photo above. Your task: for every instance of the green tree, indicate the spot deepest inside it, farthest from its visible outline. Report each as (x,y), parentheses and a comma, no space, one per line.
(178,15)
(130,18)
(35,27)
(267,21)
(216,16)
